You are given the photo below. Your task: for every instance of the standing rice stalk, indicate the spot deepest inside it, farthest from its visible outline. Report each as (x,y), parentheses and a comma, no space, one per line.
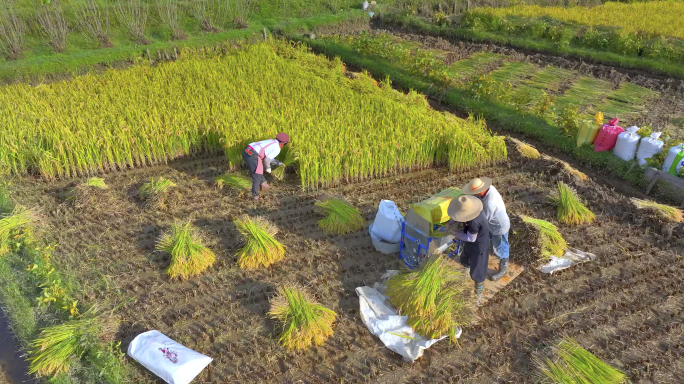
(305,323)
(236,182)
(93,20)
(133,15)
(168,13)
(663,211)
(436,297)
(156,191)
(571,211)
(549,241)
(54,25)
(341,217)
(260,249)
(188,256)
(11,223)
(51,353)
(12,32)
(572,364)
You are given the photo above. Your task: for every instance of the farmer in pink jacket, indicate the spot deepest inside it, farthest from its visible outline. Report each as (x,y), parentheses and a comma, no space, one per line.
(259,156)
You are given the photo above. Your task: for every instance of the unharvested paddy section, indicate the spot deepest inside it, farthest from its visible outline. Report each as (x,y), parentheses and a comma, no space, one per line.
(216,101)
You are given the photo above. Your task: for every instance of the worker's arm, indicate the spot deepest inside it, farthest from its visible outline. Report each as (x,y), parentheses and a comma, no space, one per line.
(268,162)
(467,235)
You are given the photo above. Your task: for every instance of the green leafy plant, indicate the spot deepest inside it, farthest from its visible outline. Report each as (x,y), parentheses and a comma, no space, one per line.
(567,118)
(188,256)
(341,217)
(304,322)
(549,241)
(542,107)
(572,364)
(155,192)
(260,249)
(436,297)
(235,182)
(570,209)
(665,212)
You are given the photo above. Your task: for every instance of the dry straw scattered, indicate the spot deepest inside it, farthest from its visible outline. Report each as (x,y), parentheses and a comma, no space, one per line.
(548,240)
(569,363)
(664,212)
(526,150)
(188,256)
(261,248)
(571,211)
(156,192)
(436,297)
(305,323)
(340,218)
(90,193)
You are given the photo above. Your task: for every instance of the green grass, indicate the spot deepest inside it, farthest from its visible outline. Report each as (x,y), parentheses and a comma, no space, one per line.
(627,100)
(549,79)
(261,249)
(572,364)
(235,182)
(437,297)
(549,241)
(341,218)
(571,211)
(513,72)
(305,323)
(188,256)
(474,65)
(585,94)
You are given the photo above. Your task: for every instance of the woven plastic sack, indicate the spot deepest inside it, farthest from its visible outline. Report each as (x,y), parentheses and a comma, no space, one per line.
(172,362)
(588,130)
(607,136)
(649,147)
(387,224)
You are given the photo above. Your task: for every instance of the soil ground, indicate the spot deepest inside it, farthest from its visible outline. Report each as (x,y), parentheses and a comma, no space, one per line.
(626,307)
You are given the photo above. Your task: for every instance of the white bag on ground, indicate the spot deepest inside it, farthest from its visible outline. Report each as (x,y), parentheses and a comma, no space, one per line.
(387,224)
(626,145)
(167,359)
(571,257)
(649,147)
(383,321)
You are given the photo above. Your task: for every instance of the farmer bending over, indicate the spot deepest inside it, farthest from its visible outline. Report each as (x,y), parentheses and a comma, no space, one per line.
(497,218)
(475,233)
(260,156)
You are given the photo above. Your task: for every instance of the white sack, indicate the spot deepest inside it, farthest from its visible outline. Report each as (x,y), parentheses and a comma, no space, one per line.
(172,362)
(649,147)
(387,224)
(382,320)
(571,257)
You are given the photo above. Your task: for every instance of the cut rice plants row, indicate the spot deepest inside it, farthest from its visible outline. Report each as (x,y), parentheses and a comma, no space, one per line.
(341,218)
(218,100)
(570,363)
(236,182)
(305,323)
(665,212)
(546,238)
(436,297)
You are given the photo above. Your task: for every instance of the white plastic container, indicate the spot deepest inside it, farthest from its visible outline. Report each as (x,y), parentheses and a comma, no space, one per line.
(649,147)
(672,155)
(627,143)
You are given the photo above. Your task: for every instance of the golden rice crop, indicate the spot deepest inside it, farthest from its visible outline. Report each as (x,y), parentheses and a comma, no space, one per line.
(655,17)
(261,249)
(549,240)
(570,364)
(570,209)
(526,150)
(436,297)
(19,218)
(666,212)
(236,182)
(188,256)
(340,217)
(217,100)
(304,322)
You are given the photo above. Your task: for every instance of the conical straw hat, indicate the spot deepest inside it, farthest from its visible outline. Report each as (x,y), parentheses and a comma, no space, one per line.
(464,208)
(476,186)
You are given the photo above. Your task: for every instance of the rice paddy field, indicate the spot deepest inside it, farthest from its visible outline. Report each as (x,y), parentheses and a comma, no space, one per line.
(125,208)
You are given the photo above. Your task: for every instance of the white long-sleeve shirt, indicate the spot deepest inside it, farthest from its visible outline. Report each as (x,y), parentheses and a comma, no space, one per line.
(271,148)
(495,211)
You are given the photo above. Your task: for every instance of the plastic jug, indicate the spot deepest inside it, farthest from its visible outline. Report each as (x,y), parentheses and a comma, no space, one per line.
(607,136)
(627,143)
(673,158)
(649,147)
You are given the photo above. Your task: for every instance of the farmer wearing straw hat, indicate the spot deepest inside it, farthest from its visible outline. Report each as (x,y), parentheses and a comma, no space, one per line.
(259,156)
(475,233)
(497,218)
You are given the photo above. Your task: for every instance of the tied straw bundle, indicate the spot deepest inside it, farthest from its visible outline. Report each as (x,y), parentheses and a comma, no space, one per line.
(261,249)
(341,217)
(549,240)
(188,256)
(571,211)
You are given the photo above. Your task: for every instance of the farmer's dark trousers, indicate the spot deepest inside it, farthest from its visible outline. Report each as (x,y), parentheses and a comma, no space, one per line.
(252,162)
(477,261)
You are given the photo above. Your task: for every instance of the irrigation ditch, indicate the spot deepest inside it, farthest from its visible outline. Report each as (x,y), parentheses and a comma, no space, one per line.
(13,367)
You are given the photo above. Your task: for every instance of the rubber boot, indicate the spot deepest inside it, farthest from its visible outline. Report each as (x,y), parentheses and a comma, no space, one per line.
(503,265)
(479,288)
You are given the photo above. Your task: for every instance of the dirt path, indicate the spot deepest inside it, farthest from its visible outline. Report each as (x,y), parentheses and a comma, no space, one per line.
(626,307)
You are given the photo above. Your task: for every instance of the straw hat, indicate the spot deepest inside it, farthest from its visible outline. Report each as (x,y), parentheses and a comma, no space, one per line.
(464,208)
(477,185)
